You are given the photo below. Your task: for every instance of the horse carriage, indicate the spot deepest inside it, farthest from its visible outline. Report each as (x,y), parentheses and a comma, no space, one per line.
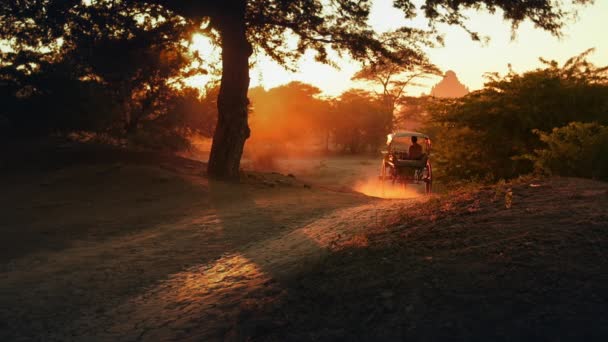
(407,160)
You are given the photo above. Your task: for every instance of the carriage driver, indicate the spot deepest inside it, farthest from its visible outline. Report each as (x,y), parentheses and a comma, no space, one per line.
(415,151)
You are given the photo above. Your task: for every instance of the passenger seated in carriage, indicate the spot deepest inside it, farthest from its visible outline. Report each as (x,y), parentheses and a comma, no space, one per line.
(415,151)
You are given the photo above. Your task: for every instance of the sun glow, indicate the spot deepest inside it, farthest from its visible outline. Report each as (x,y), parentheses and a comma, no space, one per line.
(469,59)
(268,74)
(210,55)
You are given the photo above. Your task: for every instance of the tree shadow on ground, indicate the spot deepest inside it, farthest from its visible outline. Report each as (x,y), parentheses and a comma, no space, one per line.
(464,268)
(103,281)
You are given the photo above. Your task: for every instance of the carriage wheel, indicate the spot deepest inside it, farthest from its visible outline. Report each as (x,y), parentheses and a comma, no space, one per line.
(383,172)
(429,180)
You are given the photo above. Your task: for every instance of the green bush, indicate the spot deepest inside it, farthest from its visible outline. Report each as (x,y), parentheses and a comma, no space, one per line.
(484,135)
(578,149)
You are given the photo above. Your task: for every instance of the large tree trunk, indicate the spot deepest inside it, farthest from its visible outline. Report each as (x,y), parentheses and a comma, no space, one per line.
(232,129)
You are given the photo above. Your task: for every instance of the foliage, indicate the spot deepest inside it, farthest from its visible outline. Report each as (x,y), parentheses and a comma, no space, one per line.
(482,134)
(297,117)
(150,32)
(52,100)
(360,123)
(343,26)
(413,112)
(393,78)
(148,76)
(183,115)
(339,25)
(290,113)
(108,71)
(578,149)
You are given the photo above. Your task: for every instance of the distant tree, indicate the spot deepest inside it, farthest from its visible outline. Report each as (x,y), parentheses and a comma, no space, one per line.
(288,114)
(413,113)
(394,77)
(449,87)
(242,26)
(359,121)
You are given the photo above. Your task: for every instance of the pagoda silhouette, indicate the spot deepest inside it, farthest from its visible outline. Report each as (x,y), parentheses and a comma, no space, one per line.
(449,87)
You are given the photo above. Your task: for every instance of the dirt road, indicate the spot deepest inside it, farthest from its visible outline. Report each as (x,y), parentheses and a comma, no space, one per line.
(117,251)
(137,247)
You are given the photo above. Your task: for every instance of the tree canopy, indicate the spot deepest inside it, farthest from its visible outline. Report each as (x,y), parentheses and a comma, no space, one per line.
(393,78)
(108,65)
(50,31)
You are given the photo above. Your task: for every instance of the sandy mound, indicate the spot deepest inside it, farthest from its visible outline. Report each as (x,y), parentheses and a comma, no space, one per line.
(502,263)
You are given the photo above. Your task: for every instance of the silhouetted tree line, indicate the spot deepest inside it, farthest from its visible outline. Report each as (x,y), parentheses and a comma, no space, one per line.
(108,73)
(297,117)
(136,36)
(551,119)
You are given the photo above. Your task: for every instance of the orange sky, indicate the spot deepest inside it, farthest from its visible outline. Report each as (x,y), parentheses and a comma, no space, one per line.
(469,59)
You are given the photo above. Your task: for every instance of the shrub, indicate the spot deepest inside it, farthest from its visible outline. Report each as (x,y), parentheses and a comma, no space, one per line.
(483,135)
(578,149)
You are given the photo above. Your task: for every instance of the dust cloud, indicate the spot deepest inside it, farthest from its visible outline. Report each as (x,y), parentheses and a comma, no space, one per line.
(334,145)
(346,173)
(376,188)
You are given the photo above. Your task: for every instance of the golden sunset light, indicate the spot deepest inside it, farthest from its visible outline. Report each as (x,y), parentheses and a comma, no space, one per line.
(469,59)
(210,54)
(303,170)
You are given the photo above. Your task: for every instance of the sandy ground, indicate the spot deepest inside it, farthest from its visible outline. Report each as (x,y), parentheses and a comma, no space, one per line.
(521,262)
(332,172)
(106,246)
(133,246)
